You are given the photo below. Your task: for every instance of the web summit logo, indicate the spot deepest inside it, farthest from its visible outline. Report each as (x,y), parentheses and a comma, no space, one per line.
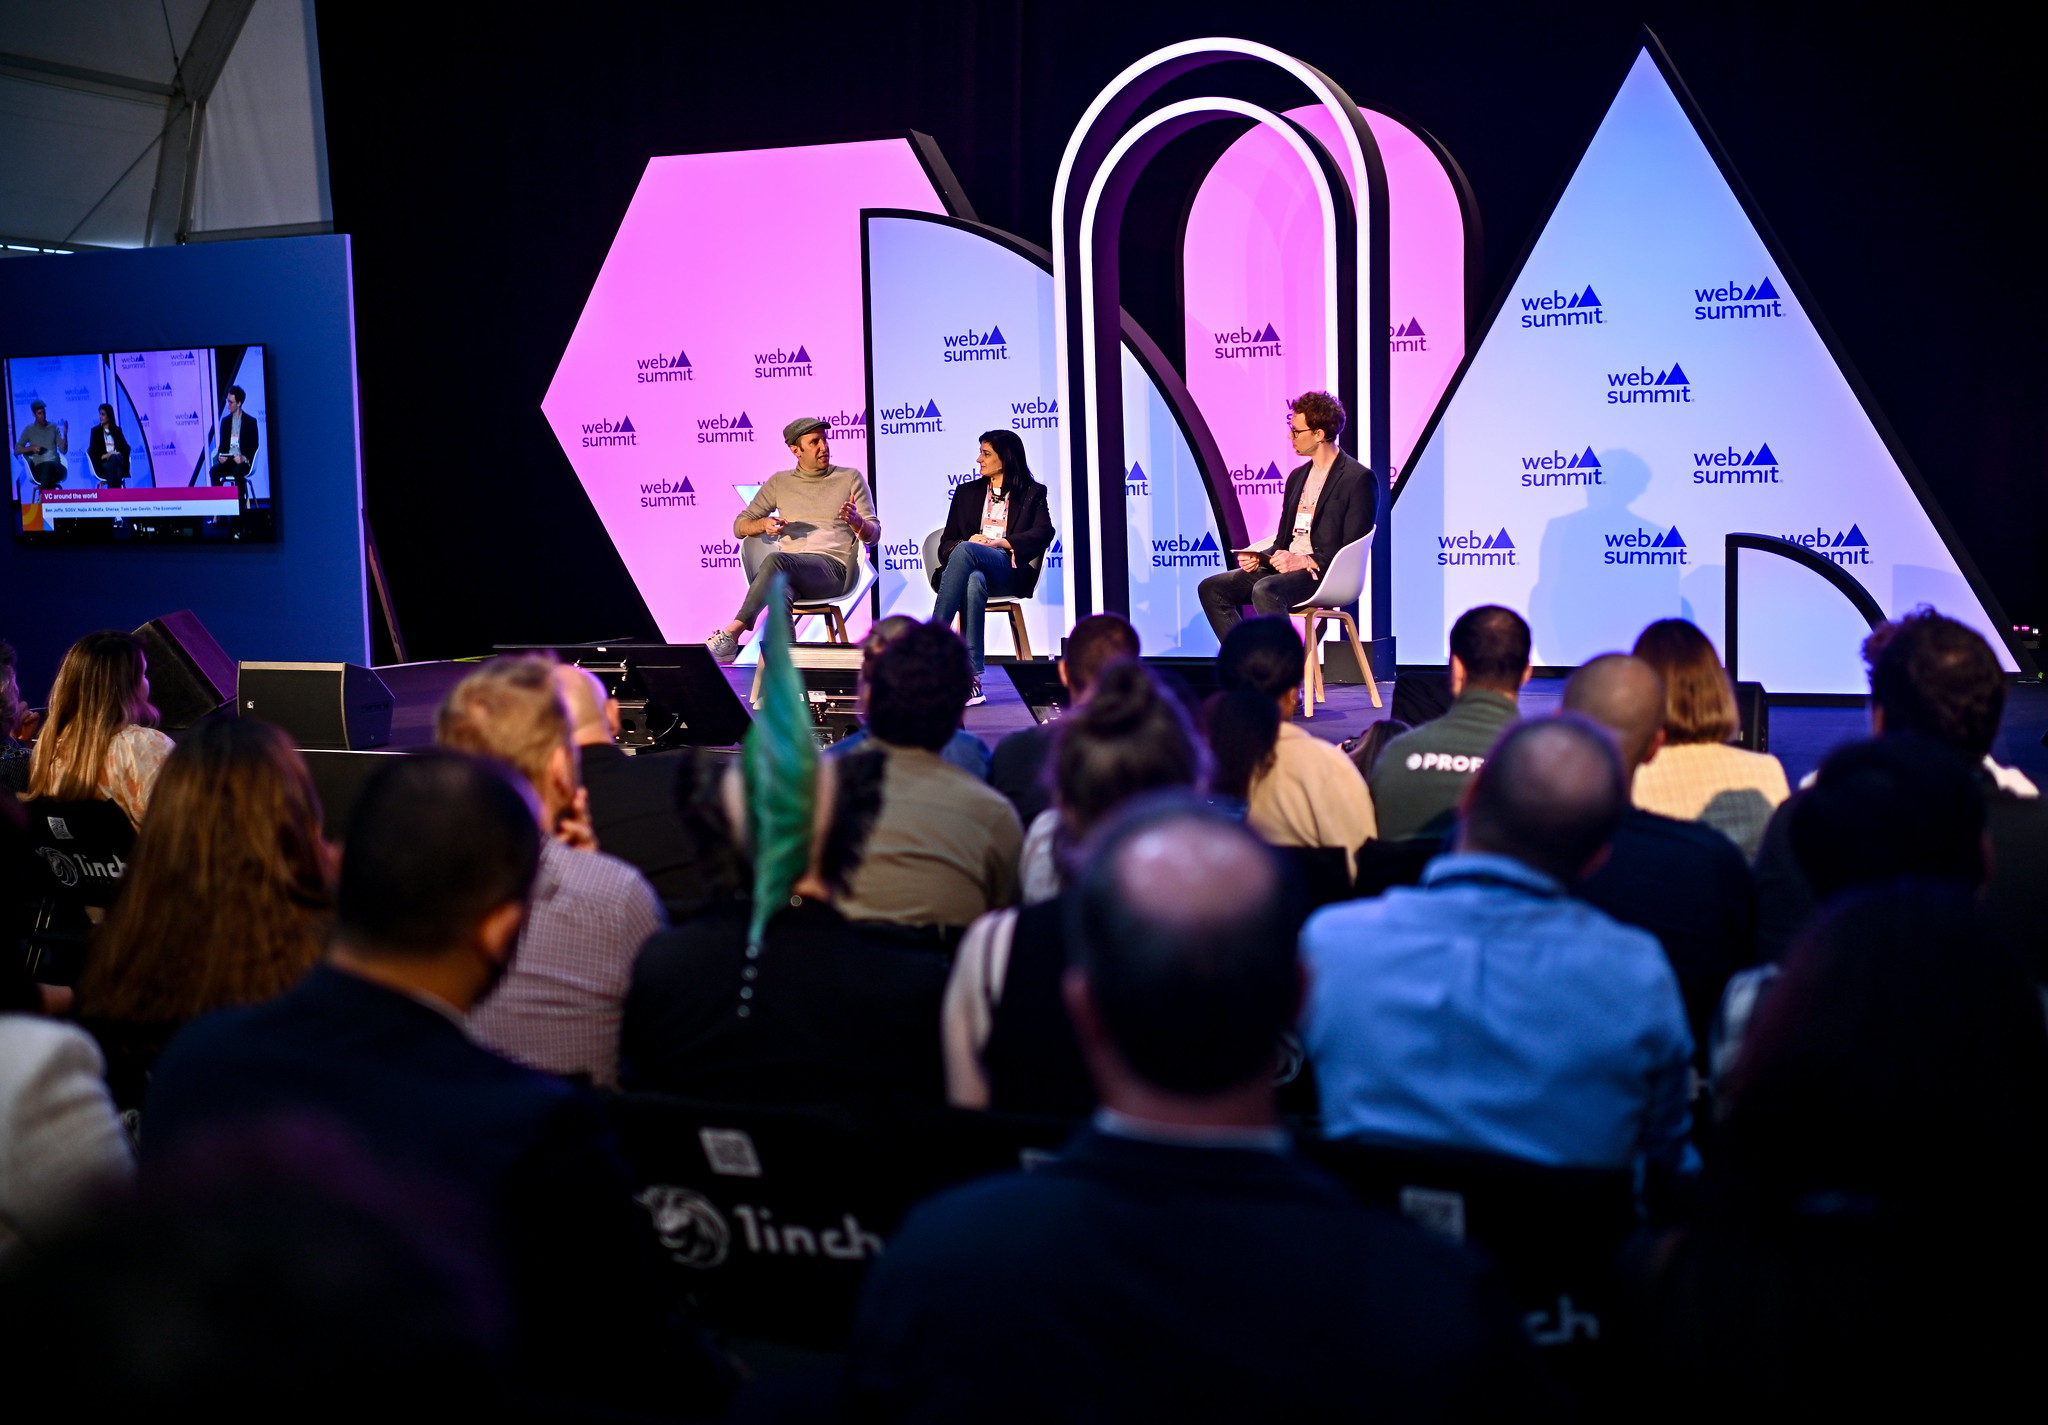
(906,555)
(1473,549)
(1645,387)
(1563,309)
(1179,552)
(1035,414)
(1250,480)
(1137,482)
(1850,548)
(1247,342)
(605,433)
(667,495)
(1408,337)
(1735,467)
(1732,303)
(1642,547)
(659,369)
(770,365)
(1541,472)
(725,430)
(848,425)
(913,419)
(982,346)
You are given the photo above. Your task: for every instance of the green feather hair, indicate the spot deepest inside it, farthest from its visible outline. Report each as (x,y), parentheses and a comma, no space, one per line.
(780,765)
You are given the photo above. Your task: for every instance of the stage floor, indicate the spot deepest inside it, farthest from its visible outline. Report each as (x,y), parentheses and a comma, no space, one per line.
(1800,736)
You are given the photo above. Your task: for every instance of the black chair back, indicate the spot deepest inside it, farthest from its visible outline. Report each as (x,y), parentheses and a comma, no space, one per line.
(1324,872)
(76,855)
(1384,864)
(775,1213)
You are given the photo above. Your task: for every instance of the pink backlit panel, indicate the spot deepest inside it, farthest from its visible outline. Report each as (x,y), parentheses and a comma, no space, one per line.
(1254,299)
(730,304)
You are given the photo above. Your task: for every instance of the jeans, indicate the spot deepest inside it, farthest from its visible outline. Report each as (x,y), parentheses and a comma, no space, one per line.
(973,573)
(1223,595)
(811,576)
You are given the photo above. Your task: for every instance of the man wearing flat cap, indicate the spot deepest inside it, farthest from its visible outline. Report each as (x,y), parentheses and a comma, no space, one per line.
(813,514)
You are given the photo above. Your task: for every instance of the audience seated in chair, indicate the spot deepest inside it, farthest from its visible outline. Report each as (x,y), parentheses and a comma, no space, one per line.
(1874,1243)
(1682,881)
(822,1014)
(441,855)
(62,1149)
(1018,768)
(1009,1042)
(15,748)
(1698,776)
(964,750)
(559,1006)
(1421,775)
(225,902)
(1487,1009)
(1932,675)
(1303,791)
(99,739)
(1177,1262)
(944,848)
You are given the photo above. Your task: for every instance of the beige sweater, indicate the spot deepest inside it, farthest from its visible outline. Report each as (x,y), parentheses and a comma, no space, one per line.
(1312,795)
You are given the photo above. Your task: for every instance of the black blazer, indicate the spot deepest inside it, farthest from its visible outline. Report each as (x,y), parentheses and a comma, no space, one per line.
(105,466)
(1030,533)
(252,436)
(1346,512)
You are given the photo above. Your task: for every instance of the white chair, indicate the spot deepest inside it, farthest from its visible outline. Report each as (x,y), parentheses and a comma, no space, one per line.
(1343,584)
(1014,608)
(756,548)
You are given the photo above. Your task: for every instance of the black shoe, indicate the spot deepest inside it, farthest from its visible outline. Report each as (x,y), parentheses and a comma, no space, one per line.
(975,698)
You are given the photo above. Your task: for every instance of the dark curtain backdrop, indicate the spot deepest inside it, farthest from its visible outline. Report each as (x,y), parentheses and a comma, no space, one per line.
(482,166)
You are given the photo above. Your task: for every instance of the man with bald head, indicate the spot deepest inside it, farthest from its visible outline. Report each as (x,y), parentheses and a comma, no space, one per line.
(1487,1009)
(1682,881)
(1177,1262)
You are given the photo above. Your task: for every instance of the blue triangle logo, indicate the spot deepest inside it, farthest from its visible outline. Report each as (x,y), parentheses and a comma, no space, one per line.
(1854,537)
(1750,295)
(1765,292)
(1501,540)
(682,358)
(1415,328)
(1589,461)
(625,423)
(1272,471)
(801,357)
(743,423)
(1657,543)
(994,337)
(1676,375)
(1269,334)
(1672,539)
(1587,298)
(686,487)
(1208,544)
(1763,456)
(1137,471)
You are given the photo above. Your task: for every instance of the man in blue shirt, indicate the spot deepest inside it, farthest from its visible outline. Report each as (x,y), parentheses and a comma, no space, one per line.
(1486,1009)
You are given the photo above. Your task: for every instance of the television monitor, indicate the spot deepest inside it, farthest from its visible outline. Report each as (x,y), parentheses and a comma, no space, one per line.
(141,447)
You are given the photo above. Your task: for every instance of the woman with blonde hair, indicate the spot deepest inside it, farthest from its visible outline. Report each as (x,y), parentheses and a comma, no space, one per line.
(1692,773)
(224,903)
(99,739)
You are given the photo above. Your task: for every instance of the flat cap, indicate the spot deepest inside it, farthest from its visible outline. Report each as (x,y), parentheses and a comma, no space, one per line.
(802,426)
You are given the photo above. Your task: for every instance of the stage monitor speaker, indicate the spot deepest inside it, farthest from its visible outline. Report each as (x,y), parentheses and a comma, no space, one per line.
(1421,696)
(189,674)
(1039,684)
(1193,678)
(335,707)
(670,694)
(339,779)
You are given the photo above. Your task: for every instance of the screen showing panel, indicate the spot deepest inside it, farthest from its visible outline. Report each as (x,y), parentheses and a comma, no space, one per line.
(145,447)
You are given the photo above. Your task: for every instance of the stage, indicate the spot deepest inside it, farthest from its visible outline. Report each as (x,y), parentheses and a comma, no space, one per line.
(1799,735)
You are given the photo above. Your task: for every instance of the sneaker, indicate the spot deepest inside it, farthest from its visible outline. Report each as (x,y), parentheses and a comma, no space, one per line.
(975,697)
(724,646)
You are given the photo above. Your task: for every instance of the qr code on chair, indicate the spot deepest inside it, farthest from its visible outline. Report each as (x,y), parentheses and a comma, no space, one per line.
(730,1152)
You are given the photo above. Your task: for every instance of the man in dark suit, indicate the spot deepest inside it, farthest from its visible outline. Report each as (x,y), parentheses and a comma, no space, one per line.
(1682,881)
(1177,1262)
(442,850)
(235,457)
(1329,502)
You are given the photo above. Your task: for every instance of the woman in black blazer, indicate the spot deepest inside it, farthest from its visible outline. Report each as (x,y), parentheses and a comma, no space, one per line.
(111,466)
(995,538)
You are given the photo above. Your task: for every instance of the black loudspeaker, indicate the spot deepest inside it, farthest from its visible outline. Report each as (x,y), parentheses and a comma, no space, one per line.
(337,707)
(339,779)
(189,674)
(1753,711)
(670,695)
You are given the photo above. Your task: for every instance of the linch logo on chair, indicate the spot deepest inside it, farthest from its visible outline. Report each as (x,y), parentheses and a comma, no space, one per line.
(73,871)
(697,1235)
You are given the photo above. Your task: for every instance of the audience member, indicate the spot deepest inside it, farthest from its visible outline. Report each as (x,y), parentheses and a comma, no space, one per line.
(1682,881)
(822,1014)
(442,853)
(1487,1010)
(1177,1263)
(964,750)
(1934,676)
(591,912)
(1241,727)
(1009,1043)
(61,1145)
(944,848)
(99,740)
(1018,769)
(225,901)
(14,749)
(1365,749)
(1899,806)
(1304,791)
(1874,1235)
(1421,775)
(1696,775)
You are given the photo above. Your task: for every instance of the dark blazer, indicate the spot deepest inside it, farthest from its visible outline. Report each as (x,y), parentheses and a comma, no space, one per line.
(525,1154)
(113,469)
(1127,1280)
(1346,512)
(1030,532)
(252,436)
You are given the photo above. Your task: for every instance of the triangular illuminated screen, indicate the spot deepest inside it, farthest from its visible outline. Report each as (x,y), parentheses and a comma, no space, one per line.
(1650,372)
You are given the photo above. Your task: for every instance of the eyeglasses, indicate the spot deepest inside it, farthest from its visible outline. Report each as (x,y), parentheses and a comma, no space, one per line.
(1299,430)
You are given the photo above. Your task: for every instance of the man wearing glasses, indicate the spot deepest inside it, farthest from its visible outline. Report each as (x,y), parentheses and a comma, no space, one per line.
(1330,502)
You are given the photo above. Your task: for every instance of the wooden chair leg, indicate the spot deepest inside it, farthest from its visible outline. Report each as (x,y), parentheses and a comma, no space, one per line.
(1019,634)
(1372,684)
(754,695)
(835,624)
(1308,663)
